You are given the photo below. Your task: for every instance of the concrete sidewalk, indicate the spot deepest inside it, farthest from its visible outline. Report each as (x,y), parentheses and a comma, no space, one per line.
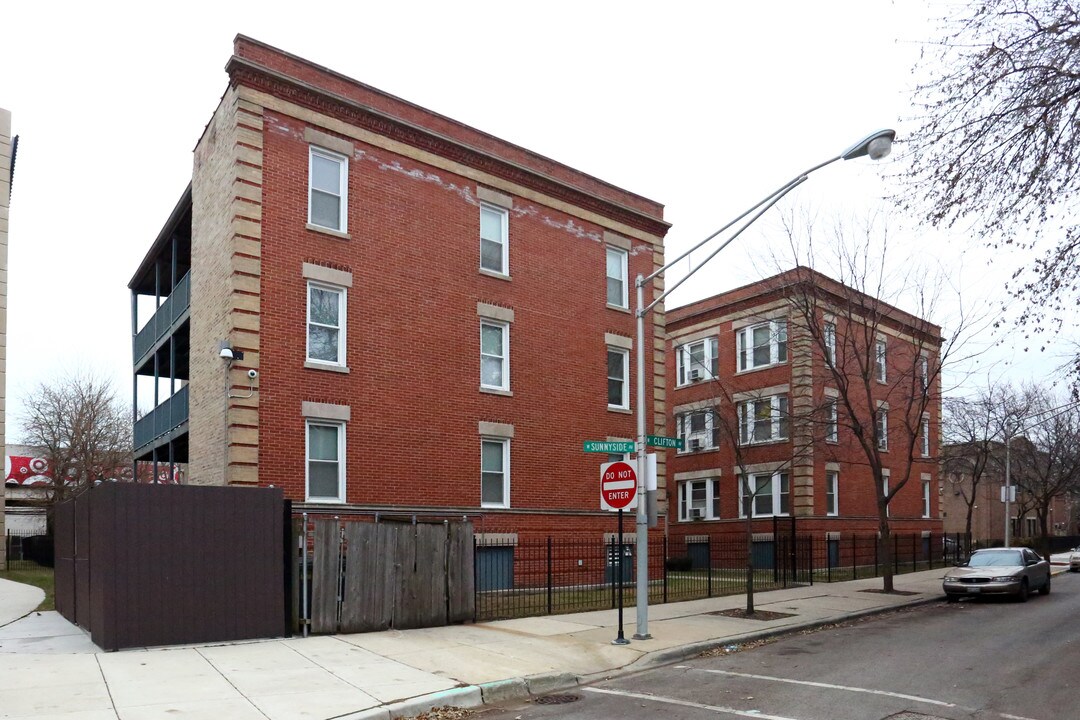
(49,669)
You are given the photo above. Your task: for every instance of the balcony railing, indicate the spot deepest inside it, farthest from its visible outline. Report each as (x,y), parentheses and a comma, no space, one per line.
(171,310)
(163,419)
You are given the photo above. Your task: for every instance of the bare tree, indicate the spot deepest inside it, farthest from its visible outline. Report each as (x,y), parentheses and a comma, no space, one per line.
(998,139)
(84,432)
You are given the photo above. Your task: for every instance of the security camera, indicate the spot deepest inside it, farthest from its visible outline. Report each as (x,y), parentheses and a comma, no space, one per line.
(252,374)
(226,353)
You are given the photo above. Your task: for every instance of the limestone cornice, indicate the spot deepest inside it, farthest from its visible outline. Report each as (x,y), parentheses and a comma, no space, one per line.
(250,74)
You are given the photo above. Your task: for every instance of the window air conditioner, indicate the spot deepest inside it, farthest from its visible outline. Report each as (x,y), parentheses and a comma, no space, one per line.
(695,375)
(697,513)
(695,444)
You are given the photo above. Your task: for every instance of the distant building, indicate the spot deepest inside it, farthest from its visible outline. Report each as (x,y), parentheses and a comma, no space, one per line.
(744,358)
(382,310)
(27,479)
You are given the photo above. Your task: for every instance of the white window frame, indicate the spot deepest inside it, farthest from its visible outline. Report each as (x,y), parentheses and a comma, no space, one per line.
(712,499)
(683,354)
(342,323)
(882,422)
(926,498)
(505,328)
(340,428)
(343,180)
(744,344)
(682,430)
(925,444)
(885,477)
(924,373)
(776,480)
(832,487)
(779,409)
(505,443)
(504,239)
(880,360)
(624,266)
(830,343)
(832,422)
(625,355)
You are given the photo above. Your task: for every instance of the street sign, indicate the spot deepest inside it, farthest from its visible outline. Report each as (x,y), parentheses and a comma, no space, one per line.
(608,446)
(665,442)
(1012,493)
(618,486)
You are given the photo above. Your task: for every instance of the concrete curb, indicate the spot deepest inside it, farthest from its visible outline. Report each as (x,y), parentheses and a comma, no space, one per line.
(465,697)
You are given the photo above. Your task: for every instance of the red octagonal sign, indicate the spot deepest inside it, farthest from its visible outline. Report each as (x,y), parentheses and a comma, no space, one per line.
(618,486)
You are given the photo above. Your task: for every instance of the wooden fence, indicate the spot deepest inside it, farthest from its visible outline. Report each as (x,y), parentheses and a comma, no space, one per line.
(367,576)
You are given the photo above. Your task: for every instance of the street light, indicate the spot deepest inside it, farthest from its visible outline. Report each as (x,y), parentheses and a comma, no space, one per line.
(876,146)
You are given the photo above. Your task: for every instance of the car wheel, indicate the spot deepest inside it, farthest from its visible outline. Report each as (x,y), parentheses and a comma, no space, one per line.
(1022,595)
(952,597)
(1045,589)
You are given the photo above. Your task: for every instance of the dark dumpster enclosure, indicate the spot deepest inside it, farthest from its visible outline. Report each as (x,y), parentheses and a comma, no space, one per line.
(145,565)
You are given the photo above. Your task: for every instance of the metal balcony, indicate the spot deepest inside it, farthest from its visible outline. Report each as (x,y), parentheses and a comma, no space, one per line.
(168,315)
(162,421)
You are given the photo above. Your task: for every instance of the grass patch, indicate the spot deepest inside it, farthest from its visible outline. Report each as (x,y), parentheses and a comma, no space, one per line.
(41,577)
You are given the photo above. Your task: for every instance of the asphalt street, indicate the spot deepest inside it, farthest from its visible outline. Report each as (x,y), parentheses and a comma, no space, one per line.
(985,659)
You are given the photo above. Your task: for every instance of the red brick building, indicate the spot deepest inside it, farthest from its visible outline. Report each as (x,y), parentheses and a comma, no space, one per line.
(753,393)
(431,320)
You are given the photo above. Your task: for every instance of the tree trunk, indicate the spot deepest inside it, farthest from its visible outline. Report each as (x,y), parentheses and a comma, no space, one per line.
(749,564)
(886,548)
(1044,532)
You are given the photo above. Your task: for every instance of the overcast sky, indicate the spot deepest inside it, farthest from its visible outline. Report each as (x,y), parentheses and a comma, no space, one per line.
(705,110)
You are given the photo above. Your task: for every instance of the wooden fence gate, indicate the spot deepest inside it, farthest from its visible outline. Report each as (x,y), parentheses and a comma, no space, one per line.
(368,576)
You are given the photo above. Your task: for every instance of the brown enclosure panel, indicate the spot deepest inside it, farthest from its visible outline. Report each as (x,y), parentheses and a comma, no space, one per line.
(169,564)
(64,558)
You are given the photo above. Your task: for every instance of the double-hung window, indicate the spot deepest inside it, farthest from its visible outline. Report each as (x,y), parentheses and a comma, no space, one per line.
(830,343)
(882,429)
(832,492)
(494,355)
(764,494)
(326,324)
(495,472)
(695,429)
(925,439)
(761,345)
(699,499)
(926,498)
(697,360)
(617,295)
(328,189)
(885,489)
(618,374)
(832,427)
(763,420)
(494,239)
(880,371)
(325,461)
(924,373)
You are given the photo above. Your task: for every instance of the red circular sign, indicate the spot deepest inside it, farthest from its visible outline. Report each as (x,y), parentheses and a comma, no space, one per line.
(618,484)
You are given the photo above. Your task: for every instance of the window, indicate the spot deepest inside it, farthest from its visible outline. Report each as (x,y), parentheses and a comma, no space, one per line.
(618,390)
(494,472)
(1032,531)
(697,361)
(924,373)
(830,344)
(494,239)
(325,469)
(925,437)
(882,429)
(763,420)
(879,360)
(494,355)
(616,278)
(699,500)
(328,187)
(832,427)
(326,324)
(832,490)
(885,490)
(695,429)
(762,345)
(926,498)
(770,494)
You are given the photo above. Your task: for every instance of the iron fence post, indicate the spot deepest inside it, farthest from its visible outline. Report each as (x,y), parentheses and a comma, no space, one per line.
(611,563)
(896,554)
(665,567)
(549,575)
(877,554)
(914,566)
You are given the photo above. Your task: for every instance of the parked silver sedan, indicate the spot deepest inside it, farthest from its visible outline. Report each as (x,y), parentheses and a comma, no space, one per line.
(999,571)
(1074,560)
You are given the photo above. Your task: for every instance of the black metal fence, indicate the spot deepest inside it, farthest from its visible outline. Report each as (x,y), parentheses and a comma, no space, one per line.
(27,550)
(552,575)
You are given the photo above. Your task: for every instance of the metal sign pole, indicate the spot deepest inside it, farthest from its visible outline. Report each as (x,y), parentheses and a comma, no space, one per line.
(621,639)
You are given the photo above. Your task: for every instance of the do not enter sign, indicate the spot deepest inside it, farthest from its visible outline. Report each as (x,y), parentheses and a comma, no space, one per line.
(618,486)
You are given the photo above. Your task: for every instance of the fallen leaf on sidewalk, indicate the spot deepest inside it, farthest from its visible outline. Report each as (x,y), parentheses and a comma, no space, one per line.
(447,712)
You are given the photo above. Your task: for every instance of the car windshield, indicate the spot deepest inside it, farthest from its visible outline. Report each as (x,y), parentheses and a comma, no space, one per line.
(997,557)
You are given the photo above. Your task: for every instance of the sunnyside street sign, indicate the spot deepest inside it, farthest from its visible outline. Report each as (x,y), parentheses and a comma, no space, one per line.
(609,446)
